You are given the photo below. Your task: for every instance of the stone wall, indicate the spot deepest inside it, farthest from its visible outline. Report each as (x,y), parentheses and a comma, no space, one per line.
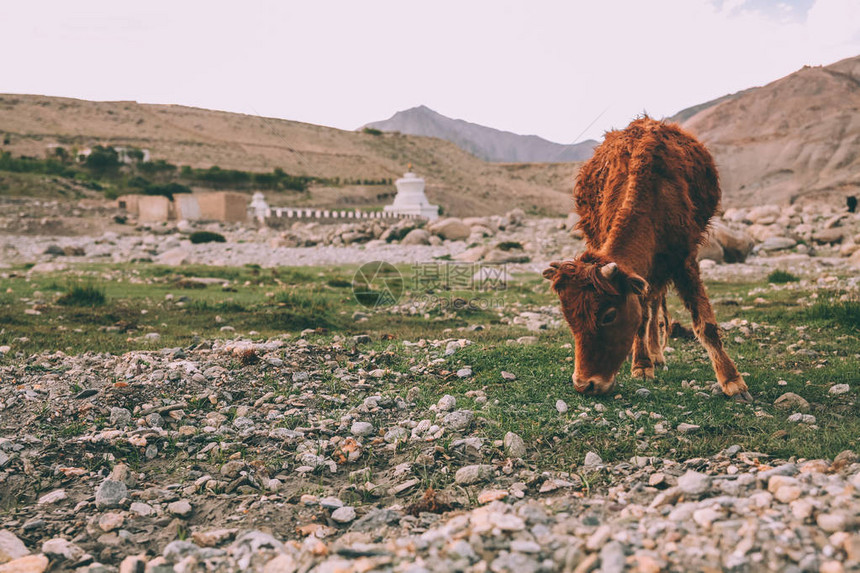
(223,206)
(154,209)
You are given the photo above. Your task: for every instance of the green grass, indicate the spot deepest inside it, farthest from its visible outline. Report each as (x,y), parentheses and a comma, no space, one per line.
(804,336)
(843,313)
(83,295)
(779,276)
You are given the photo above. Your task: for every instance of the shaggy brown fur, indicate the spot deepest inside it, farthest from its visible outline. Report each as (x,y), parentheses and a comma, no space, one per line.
(645,199)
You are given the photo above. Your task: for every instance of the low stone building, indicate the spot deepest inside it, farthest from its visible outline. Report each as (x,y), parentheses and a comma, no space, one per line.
(208,206)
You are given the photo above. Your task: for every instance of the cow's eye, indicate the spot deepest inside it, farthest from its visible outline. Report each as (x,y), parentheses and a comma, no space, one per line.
(609,316)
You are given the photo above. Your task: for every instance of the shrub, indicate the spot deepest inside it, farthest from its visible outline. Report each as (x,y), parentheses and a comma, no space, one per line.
(510,246)
(779,277)
(102,160)
(206,237)
(372,131)
(155,167)
(139,182)
(83,295)
(166,190)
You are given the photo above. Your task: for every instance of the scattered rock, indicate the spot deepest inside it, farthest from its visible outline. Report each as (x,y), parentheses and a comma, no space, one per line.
(694,483)
(345,514)
(514,445)
(11,547)
(110,494)
(468,475)
(792,401)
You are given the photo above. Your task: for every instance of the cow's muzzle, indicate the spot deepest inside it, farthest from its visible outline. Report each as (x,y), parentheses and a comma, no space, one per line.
(593,385)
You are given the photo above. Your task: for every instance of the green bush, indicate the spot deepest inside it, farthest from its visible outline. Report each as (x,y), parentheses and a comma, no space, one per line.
(102,160)
(779,277)
(846,313)
(139,182)
(83,295)
(166,190)
(199,237)
(510,246)
(156,167)
(33,165)
(372,131)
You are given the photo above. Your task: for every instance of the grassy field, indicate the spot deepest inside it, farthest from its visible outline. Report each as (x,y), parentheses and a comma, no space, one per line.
(798,338)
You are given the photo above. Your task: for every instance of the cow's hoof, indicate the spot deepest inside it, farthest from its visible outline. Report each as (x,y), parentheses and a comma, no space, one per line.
(736,387)
(645,372)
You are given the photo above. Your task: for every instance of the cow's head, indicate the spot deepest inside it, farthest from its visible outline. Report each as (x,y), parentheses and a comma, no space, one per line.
(601,303)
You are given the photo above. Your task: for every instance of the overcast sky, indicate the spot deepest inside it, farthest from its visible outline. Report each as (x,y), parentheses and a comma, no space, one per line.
(550,68)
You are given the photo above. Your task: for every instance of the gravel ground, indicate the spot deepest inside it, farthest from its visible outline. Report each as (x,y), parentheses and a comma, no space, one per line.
(284,455)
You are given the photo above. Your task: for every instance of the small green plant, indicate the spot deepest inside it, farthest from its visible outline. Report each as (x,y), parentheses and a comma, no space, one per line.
(199,237)
(779,277)
(83,295)
(510,246)
(846,313)
(372,131)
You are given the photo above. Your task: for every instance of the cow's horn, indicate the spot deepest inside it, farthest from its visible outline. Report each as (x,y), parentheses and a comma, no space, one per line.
(609,270)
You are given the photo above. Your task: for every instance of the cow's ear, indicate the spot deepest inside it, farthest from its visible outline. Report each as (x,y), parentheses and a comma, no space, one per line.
(552,271)
(637,284)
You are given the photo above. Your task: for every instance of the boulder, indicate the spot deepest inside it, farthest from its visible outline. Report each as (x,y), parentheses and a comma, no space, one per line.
(416,237)
(451,229)
(11,547)
(482,231)
(400,230)
(516,217)
(737,245)
(710,250)
(777,244)
(174,257)
(472,255)
(500,256)
(829,236)
(854,260)
(764,214)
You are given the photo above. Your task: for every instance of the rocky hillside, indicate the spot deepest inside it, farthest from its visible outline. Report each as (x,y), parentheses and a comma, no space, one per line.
(460,182)
(484,142)
(793,139)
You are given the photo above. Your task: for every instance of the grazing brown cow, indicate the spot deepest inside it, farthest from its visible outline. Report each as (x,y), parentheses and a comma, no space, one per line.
(644,201)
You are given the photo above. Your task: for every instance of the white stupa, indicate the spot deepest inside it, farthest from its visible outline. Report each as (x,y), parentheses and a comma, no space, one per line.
(411,200)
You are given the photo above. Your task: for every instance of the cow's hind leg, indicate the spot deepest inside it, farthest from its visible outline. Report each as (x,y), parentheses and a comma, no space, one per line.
(656,330)
(692,291)
(643,366)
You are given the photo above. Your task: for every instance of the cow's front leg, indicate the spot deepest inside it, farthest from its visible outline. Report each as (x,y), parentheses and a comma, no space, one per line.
(657,330)
(643,366)
(692,291)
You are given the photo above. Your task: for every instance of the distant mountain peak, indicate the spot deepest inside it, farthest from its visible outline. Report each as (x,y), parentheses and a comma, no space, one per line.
(484,142)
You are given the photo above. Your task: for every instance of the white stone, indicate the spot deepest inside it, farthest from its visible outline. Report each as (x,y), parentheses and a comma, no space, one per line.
(55,496)
(11,547)
(694,483)
(446,403)
(592,460)
(838,389)
(343,514)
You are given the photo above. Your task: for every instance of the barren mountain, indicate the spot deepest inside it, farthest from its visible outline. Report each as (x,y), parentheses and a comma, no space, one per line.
(460,182)
(795,138)
(484,142)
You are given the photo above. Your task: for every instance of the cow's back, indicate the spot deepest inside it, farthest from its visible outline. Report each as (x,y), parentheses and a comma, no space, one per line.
(650,170)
